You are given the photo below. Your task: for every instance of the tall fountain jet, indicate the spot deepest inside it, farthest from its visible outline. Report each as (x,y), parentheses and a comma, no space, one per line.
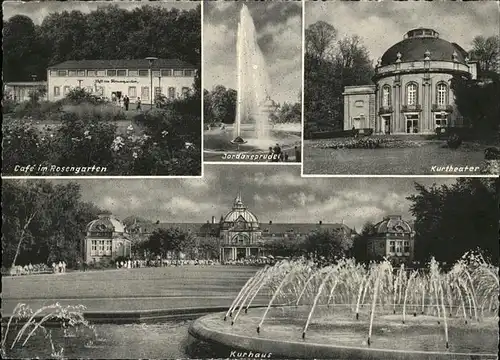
(253,82)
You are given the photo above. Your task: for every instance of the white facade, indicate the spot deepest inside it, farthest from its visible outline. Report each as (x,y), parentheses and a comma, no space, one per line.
(111,82)
(20,91)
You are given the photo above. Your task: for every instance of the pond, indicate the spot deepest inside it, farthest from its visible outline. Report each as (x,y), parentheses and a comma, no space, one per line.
(130,341)
(389,161)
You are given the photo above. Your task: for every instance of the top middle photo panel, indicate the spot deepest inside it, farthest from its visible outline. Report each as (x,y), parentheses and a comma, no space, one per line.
(252,79)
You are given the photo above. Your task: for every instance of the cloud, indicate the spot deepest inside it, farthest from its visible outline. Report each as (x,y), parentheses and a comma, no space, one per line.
(271,192)
(382,24)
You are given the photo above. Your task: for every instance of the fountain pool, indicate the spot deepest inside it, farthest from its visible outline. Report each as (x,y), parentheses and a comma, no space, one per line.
(348,310)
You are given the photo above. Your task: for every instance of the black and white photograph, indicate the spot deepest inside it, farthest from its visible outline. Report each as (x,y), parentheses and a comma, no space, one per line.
(102,88)
(252,80)
(401,88)
(245,262)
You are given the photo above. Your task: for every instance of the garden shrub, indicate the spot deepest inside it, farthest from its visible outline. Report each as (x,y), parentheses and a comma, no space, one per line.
(81,96)
(8,106)
(454,141)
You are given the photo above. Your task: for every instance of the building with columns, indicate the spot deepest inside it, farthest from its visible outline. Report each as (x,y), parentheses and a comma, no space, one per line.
(393,238)
(105,240)
(411,92)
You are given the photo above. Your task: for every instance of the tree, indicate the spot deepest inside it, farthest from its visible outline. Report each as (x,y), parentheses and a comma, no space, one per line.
(451,220)
(223,104)
(329,67)
(43,222)
(486,50)
(360,242)
(320,37)
(173,240)
(208,247)
(286,247)
(327,244)
(477,102)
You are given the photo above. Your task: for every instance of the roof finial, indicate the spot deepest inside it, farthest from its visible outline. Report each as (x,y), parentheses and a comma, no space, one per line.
(398,57)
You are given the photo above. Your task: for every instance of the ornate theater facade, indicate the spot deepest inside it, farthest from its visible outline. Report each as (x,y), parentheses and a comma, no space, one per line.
(412,91)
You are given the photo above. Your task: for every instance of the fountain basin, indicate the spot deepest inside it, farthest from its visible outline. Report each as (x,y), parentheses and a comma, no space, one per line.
(335,334)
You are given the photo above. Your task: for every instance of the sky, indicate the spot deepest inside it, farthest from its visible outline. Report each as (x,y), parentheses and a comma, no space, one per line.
(279,31)
(382,24)
(37,11)
(272,192)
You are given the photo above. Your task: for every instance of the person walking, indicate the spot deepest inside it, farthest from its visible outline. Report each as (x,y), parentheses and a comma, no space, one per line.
(126,102)
(138,104)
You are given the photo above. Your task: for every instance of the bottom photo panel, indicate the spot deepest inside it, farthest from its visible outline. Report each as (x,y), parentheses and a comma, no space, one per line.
(251,263)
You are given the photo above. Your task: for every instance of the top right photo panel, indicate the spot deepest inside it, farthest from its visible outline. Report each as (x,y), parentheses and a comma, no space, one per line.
(401,88)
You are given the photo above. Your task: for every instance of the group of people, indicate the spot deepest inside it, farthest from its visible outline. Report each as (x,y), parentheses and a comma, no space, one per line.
(131,264)
(125,102)
(29,269)
(59,267)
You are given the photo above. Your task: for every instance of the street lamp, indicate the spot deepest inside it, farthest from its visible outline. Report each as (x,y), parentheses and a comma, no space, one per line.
(151,59)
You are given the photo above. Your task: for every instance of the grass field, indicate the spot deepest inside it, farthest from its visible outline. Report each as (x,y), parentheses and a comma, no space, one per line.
(129,289)
(401,161)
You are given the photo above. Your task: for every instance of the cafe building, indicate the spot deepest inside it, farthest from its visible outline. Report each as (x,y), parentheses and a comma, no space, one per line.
(113,79)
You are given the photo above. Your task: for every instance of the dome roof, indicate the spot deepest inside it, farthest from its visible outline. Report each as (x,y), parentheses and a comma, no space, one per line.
(106,223)
(419,41)
(393,224)
(240,210)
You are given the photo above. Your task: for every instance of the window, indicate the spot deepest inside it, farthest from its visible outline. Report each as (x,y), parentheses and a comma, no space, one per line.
(178,72)
(109,245)
(188,73)
(359,103)
(71,72)
(101,72)
(66,90)
(93,248)
(407,246)
(133,73)
(171,93)
(121,72)
(53,72)
(185,91)
(442,91)
(81,72)
(166,72)
(392,247)
(132,91)
(386,96)
(111,72)
(441,120)
(411,94)
(156,73)
(143,72)
(57,91)
(145,93)
(91,73)
(61,73)
(101,246)
(398,246)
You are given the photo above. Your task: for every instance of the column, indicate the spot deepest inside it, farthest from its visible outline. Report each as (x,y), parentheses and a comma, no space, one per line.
(395,120)
(234,253)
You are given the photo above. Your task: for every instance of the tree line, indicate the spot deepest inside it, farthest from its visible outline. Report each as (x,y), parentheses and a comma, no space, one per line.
(220,107)
(106,33)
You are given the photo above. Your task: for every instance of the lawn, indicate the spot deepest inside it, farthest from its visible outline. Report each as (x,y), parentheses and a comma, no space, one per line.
(389,161)
(129,289)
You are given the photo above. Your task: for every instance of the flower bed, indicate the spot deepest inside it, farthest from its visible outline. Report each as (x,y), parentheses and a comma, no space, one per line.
(367,143)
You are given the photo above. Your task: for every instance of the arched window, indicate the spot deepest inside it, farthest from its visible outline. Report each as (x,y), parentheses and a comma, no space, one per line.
(411,94)
(386,96)
(442,94)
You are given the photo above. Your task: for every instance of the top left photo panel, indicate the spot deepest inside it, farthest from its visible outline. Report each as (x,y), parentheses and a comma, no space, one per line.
(102,88)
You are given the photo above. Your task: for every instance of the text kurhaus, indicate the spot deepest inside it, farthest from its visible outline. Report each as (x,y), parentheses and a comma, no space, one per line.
(249,354)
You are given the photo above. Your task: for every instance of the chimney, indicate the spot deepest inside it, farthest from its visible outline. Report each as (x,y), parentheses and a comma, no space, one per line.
(270,222)
(321,222)
(213,219)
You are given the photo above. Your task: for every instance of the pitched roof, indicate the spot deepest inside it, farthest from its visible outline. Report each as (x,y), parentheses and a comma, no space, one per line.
(123,64)
(282,228)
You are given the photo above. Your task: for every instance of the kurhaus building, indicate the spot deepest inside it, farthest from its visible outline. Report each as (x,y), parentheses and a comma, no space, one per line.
(141,78)
(411,92)
(240,233)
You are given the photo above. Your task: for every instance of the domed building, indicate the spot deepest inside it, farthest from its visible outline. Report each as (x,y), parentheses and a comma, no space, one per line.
(412,93)
(239,232)
(392,238)
(105,240)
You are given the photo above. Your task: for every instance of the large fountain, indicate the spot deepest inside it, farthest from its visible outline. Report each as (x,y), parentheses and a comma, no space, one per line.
(351,311)
(252,130)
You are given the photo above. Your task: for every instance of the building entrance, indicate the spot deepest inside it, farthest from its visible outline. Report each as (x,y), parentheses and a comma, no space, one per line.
(411,123)
(386,124)
(241,253)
